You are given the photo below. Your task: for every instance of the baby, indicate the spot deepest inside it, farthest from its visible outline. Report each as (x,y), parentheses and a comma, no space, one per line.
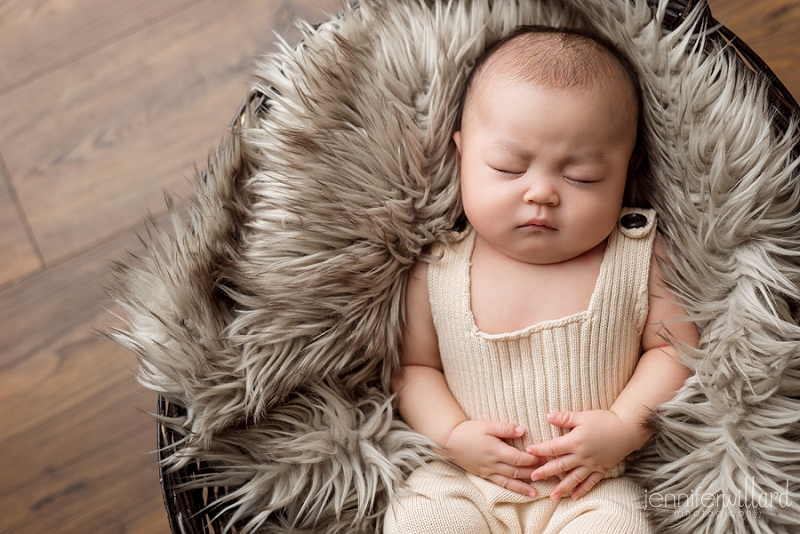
(536,345)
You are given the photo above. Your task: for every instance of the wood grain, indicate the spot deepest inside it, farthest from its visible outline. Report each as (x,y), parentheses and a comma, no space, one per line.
(38,36)
(90,147)
(18,255)
(38,312)
(771,28)
(111,127)
(77,447)
(94,469)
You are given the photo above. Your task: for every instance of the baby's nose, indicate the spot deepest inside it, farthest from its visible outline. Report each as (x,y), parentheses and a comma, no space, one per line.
(541,191)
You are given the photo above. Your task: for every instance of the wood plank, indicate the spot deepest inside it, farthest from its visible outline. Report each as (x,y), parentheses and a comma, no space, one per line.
(85,377)
(76,453)
(17,253)
(772,29)
(90,146)
(43,311)
(77,445)
(45,321)
(108,485)
(38,36)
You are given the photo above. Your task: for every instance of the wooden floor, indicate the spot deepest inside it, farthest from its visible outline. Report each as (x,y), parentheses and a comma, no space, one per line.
(104,104)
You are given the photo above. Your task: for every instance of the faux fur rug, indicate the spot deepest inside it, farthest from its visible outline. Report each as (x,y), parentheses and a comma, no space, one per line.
(274,315)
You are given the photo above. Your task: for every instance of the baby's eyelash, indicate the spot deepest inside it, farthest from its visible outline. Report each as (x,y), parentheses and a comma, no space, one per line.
(508,173)
(580,182)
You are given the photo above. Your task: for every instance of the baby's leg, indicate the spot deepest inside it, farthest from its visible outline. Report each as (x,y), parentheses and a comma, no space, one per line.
(439,499)
(614,506)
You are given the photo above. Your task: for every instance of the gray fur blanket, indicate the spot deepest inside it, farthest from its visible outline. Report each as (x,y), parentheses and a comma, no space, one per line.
(274,314)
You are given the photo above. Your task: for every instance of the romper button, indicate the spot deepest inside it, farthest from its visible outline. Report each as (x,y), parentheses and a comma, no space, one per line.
(633,220)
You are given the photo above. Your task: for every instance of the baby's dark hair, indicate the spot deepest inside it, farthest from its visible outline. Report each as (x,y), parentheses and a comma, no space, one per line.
(561,58)
(573,66)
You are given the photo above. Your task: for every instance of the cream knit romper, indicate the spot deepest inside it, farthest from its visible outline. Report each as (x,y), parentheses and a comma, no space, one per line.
(579,362)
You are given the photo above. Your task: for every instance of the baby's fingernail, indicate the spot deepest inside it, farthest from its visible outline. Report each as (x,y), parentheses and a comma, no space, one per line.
(551,416)
(519,430)
(532,493)
(555,496)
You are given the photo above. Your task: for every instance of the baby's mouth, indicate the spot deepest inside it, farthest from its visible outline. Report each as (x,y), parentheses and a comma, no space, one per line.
(538,224)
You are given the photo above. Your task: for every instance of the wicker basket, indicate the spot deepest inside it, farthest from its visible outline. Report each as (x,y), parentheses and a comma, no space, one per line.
(190,510)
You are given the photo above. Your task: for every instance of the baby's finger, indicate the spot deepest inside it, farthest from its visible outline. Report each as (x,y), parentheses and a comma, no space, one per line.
(518,458)
(573,478)
(503,430)
(511,471)
(513,484)
(584,487)
(556,466)
(554,447)
(564,419)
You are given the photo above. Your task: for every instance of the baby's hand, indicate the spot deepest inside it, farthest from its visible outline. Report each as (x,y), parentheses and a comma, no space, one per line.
(597,441)
(478,448)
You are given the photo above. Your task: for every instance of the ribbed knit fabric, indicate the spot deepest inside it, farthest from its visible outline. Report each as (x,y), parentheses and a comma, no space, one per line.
(580,362)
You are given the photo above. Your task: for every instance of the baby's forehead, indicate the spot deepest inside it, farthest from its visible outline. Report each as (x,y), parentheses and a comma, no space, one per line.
(554,60)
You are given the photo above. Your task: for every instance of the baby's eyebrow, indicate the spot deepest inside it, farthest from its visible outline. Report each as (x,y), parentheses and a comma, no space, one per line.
(587,155)
(513,148)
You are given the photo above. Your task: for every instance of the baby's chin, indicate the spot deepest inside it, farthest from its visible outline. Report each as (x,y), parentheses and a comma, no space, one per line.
(553,255)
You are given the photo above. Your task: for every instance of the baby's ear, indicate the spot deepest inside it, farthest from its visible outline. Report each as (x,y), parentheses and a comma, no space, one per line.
(457,139)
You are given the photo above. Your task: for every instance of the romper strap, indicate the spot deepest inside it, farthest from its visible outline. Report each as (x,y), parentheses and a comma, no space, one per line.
(633,251)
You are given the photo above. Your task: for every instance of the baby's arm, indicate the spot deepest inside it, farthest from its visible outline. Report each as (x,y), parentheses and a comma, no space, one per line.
(428,406)
(600,439)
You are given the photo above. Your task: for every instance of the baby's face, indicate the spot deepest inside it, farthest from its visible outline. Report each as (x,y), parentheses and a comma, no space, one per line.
(543,170)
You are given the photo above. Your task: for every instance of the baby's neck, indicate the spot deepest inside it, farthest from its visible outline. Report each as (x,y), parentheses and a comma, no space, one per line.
(508,294)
